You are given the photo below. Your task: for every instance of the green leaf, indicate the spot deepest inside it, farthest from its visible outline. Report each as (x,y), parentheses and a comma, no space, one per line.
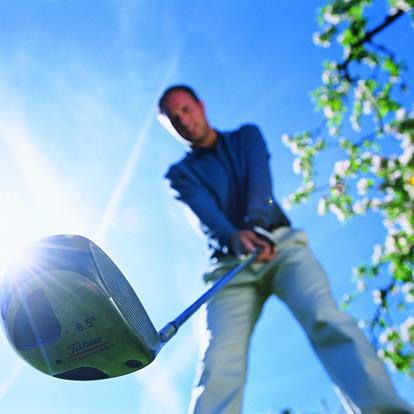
(391,66)
(348,37)
(356,12)
(371,85)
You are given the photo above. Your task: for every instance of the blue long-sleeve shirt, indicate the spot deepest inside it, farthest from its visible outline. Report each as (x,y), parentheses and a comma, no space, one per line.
(228,186)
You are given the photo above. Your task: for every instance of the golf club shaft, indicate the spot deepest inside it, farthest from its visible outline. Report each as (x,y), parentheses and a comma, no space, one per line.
(171,328)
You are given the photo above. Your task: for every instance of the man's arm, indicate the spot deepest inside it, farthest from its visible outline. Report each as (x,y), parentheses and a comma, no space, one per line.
(214,223)
(261,208)
(259,183)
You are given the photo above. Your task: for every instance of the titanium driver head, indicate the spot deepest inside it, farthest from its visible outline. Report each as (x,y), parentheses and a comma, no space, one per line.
(70,312)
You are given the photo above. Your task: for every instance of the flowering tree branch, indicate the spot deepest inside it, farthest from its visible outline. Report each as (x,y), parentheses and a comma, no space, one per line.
(365,91)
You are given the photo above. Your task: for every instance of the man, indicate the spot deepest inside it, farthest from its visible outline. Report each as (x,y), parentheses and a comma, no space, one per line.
(225,180)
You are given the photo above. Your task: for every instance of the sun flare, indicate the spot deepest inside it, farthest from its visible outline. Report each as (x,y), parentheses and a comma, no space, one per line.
(16,232)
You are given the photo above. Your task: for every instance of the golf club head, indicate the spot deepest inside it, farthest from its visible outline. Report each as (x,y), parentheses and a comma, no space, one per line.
(69,312)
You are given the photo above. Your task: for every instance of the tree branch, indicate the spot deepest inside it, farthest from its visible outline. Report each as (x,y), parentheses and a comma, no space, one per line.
(388,20)
(369,35)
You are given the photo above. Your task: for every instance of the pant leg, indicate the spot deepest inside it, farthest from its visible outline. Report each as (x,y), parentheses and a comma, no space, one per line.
(341,346)
(230,318)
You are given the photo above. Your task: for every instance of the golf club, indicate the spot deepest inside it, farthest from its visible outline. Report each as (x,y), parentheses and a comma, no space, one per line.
(70,312)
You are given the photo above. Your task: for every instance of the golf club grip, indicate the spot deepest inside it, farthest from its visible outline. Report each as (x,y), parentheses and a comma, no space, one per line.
(169,330)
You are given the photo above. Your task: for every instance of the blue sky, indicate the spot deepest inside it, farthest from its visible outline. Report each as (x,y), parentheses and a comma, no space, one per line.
(81,152)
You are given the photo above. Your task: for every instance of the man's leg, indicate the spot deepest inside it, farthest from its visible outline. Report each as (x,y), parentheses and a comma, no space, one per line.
(230,318)
(340,345)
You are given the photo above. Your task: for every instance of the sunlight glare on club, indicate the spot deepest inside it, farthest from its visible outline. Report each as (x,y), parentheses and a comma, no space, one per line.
(37,201)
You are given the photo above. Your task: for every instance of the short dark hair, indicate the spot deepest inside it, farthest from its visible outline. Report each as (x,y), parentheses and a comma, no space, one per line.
(173,88)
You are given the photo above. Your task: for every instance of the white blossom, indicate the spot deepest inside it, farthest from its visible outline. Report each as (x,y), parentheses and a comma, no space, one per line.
(286,203)
(401,114)
(395,175)
(407,287)
(322,206)
(337,211)
(376,295)
(361,286)
(375,204)
(383,338)
(296,166)
(360,206)
(294,147)
(376,254)
(401,5)
(407,154)
(389,197)
(359,90)
(387,224)
(408,290)
(362,186)
(369,62)
(405,140)
(402,241)
(354,123)
(333,130)
(310,185)
(405,328)
(330,17)
(333,181)
(391,164)
(341,167)
(367,107)
(330,76)
(285,139)
(381,353)
(328,112)
(376,161)
(319,42)
(390,245)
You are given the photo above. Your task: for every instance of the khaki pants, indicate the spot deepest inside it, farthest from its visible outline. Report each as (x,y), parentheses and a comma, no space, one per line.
(296,277)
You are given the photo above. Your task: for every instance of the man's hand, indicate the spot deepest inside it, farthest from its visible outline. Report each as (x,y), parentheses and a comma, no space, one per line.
(247,241)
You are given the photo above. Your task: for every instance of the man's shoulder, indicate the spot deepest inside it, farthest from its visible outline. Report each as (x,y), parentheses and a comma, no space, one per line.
(244,130)
(246,134)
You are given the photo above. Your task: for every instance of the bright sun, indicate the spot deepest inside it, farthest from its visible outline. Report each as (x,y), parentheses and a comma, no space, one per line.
(15,236)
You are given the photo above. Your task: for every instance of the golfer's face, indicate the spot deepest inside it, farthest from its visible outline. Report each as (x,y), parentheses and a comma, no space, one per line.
(187,116)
